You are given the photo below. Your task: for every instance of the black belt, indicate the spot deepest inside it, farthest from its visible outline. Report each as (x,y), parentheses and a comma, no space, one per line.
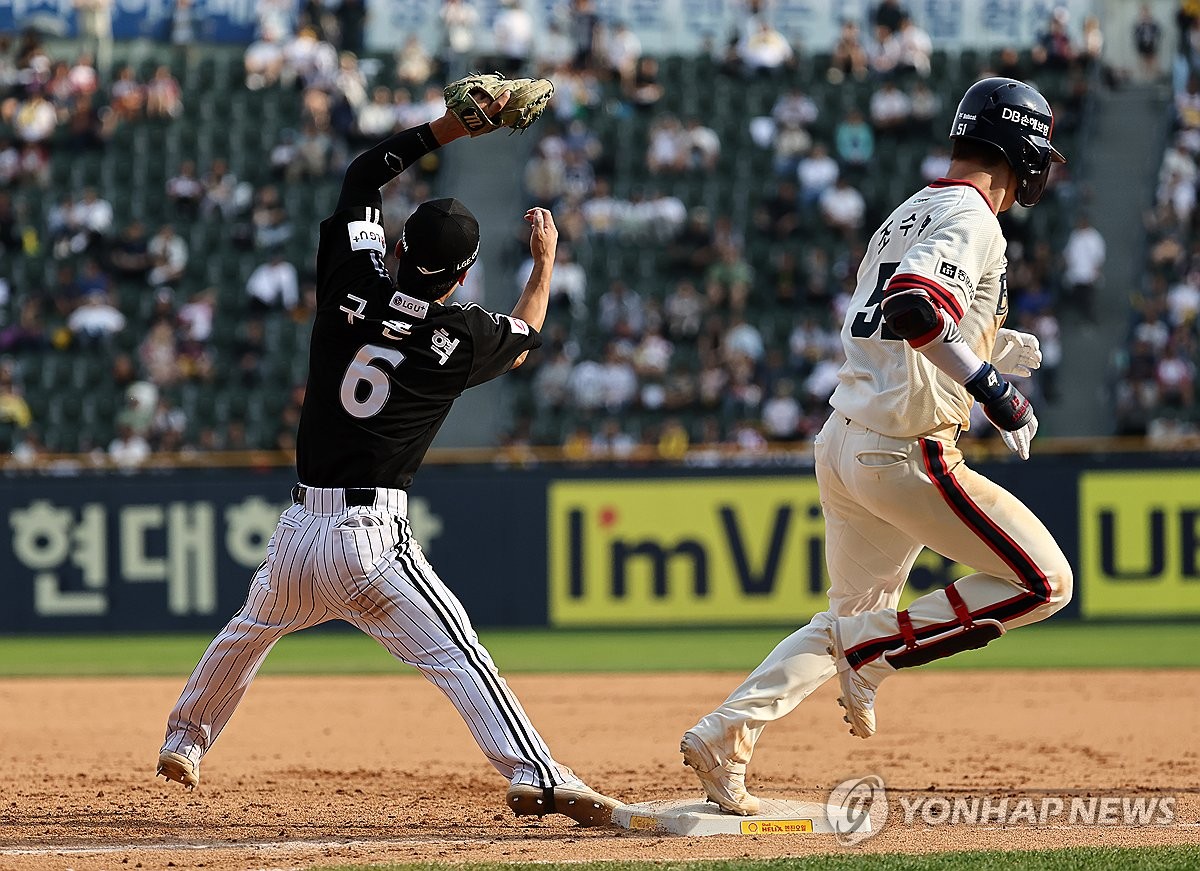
(361,497)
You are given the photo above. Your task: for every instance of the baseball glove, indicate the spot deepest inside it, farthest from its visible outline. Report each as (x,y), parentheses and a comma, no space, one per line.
(525,104)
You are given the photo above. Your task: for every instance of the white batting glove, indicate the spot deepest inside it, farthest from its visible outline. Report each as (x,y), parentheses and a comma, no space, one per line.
(1018,441)
(1016,353)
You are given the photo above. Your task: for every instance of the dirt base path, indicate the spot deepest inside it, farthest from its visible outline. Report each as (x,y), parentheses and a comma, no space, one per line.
(355,770)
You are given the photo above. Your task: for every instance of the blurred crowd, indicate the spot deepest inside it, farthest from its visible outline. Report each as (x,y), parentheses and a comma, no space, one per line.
(729,336)
(734,339)
(1156,379)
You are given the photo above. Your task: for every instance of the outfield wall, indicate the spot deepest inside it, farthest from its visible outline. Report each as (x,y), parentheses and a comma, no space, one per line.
(565,546)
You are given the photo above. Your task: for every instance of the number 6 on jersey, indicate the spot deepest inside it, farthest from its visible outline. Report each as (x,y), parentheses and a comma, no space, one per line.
(360,371)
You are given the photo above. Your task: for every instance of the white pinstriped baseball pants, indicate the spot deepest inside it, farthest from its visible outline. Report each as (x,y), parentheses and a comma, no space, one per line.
(329,561)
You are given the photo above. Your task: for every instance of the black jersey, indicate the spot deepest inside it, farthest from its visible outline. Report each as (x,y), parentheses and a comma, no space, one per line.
(384,367)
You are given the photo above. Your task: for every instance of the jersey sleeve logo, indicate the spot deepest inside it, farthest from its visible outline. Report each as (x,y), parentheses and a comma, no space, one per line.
(517,325)
(366,236)
(954,272)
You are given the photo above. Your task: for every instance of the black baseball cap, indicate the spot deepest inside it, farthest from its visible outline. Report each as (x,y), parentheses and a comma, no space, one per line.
(440,241)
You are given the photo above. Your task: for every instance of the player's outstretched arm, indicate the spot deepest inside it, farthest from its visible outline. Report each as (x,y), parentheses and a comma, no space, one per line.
(535,298)
(382,162)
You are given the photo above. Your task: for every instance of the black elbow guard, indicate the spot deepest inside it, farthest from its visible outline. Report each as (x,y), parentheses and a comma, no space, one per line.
(910,315)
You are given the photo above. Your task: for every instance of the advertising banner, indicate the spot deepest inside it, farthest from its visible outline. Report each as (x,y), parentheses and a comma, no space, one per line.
(1139,534)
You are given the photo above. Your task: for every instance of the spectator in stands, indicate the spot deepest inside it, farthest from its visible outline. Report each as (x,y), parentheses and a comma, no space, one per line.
(585,28)
(95,321)
(618,383)
(685,310)
(269,221)
(305,57)
(645,90)
(94,21)
(849,57)
(620,306)
(185,190)
(158,354)
(855,143)
(10,163)
(195,333)
(1187,104)
(668,151)
(168,256)
(889,14)
(13,407)
(781,414)
(129,255)
(1044,324)
(764,50)
(1053,49)
(223,192)
(1176,376)
(611,442)
(915,48)
(273,285)
(513,34)
(94,214)
(1183,301)
(1083,257)
(622,50)
(843,209)
(127,95)
(376,119)
(88,128)
(551,381)
(704,146)
(29,331)
(1147,37)
(816,172)
(414,65)
(1092,45)
(249,348)
(728,282)
(35,119)
(164,96)
(885,52)
(459,20)
(183,31)
(128,450)
(890,110)
(264,60)
(82,75)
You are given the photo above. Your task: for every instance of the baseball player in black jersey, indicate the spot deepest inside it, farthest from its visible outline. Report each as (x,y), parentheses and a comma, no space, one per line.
(386,362)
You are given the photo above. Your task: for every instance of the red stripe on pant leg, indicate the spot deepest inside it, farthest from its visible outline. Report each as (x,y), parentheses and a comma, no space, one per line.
(991,534)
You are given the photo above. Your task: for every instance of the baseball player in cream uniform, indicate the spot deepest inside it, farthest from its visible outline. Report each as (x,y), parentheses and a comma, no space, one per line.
(924,340)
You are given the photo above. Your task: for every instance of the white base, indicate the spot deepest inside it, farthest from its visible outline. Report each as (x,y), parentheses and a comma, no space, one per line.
(695,817)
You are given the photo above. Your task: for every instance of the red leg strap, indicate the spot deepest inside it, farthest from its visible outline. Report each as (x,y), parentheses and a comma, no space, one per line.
(960,607)
(906,628)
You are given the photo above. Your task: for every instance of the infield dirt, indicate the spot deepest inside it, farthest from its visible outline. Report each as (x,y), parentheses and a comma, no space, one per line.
(334,770)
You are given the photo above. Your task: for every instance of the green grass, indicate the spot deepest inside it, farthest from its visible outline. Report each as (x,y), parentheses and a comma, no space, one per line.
(1057,645)
(1073,859)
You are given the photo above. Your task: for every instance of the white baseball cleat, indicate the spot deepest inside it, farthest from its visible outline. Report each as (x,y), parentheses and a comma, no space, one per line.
(177,767)
(723,782)
(858,693)
(574,799)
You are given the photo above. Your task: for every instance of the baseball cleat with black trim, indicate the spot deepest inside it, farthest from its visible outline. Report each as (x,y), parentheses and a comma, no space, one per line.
(574,799)
(858,693)
(724,782)
(177,767)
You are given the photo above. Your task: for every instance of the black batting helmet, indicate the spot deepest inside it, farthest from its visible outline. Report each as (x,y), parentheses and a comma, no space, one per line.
(1016,119)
